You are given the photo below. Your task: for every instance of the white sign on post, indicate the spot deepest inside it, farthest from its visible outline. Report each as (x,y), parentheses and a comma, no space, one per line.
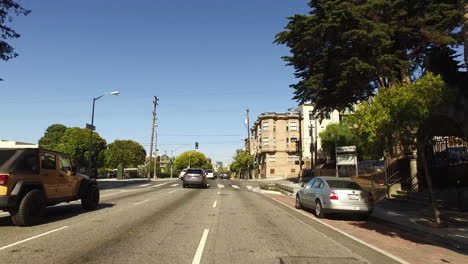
(346,155)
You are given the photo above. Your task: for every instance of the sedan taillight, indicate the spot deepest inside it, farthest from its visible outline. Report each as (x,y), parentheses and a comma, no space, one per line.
(333,195)
(3,179)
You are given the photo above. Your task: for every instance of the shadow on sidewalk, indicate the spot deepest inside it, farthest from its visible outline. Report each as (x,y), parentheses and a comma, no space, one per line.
(418,237)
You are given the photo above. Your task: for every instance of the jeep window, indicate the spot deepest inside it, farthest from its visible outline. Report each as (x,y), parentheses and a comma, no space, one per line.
(48,161)
(28,163)
(65,164)
(7,159)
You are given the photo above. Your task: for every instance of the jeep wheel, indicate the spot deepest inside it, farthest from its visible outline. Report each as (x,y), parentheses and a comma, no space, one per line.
(91,200)
(31,209)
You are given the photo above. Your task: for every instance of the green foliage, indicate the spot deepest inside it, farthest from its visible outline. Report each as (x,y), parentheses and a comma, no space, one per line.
(75,142)
(395,114)
(126,152)
(336,135)
(8,8)
(197,160)
(241,162)
(344,51)
(52,136)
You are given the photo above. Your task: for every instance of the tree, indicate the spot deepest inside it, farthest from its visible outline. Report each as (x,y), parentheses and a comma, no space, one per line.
(242,161)
(75,142)
(343,52)
(192,159)
(126,152)
(336,135)
(52,136)
(398,111)
(8,8)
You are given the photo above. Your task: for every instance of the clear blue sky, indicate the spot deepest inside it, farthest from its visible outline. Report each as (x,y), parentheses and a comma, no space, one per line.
(207,61)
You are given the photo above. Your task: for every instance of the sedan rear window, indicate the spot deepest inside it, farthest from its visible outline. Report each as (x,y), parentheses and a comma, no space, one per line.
(194,171)
(343,184)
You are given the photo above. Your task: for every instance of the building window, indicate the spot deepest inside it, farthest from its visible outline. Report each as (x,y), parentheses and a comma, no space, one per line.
(265,126)
(293,170)
(293,158)
(287,142)
(274,126)
(272,171)
(294,141)
(265,141)
(293,126)
(274,141)
(272,157)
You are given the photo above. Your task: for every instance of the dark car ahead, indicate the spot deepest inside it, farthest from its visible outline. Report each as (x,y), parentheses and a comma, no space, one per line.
(225,175)
(194,177)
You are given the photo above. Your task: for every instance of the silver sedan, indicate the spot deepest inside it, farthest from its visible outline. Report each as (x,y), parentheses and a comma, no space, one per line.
(335,195)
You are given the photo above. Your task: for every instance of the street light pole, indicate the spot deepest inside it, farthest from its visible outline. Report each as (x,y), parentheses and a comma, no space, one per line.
(92,128)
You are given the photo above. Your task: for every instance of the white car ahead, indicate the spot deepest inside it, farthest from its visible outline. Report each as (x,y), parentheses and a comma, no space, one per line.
(210,174)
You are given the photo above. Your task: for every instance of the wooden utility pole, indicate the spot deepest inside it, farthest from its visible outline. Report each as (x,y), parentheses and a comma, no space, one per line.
(155,103)
(248,139)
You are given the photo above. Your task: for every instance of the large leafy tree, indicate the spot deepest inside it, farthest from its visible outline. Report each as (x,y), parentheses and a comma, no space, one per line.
(242,161)
(344,51)
(193,158)
(126,152)
(336,135)
(398,111)
(75,142)
(52,136)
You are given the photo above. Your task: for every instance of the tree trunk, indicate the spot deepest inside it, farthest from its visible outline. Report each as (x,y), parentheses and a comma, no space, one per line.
(464,24)
(429,186)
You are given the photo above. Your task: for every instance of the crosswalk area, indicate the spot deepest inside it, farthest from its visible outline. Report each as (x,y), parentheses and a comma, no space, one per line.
(223,186)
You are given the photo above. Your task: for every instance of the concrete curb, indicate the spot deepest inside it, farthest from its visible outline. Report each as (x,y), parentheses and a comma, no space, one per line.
(424,234)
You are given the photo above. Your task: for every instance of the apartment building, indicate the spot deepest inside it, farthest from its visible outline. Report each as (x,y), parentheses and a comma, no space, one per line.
(275,145)
(311,129)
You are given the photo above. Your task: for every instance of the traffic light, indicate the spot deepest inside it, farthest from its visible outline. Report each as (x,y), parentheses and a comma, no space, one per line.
(196,145)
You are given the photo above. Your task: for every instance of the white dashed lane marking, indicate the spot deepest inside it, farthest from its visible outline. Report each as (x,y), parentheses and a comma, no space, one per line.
(214,204)
(140,202)
(201,246)
(235,186)
(174,185)
(249,187)
(31,238)
(220,186)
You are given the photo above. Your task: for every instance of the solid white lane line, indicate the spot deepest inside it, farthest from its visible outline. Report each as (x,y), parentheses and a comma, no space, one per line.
(201,246)
(143,185)
(214,204)
(173,191)
(249,187)
(174,185)
(235,186)
(31,238)
(338,230)
(220,186)
(141,202)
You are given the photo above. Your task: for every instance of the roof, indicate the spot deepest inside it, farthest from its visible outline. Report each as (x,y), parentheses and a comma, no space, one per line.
(7,144)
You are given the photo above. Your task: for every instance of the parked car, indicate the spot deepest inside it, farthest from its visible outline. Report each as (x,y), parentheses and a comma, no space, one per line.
(307,175)
(182,173)
(225,175)
(194,176)
(335,195)
(210,174)
(32,179)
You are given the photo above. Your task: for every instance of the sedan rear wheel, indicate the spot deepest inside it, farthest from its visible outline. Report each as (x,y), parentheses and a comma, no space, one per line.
(319,210)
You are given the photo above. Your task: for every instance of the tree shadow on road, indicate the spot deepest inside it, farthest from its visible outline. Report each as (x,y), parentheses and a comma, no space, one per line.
(59,212)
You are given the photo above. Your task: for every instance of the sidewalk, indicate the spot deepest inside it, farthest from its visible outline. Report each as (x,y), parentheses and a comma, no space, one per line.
(417,219)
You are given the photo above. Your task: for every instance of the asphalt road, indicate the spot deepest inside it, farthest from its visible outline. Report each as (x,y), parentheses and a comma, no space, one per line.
(161,222)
